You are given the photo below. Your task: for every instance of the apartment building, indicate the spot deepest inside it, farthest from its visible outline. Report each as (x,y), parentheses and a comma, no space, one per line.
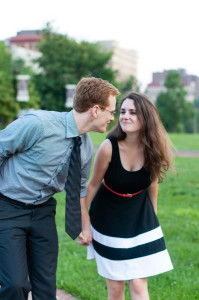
(190,82)
(123,61)
(27,39)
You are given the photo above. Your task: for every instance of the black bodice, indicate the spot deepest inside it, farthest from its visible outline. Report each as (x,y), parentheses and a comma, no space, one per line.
(121,180)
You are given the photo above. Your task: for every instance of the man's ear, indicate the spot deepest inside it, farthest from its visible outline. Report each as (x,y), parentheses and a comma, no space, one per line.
(94,111)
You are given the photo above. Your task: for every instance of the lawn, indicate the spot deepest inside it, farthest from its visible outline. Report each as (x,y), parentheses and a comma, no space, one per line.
(178,213)
(181,141)
(186,141)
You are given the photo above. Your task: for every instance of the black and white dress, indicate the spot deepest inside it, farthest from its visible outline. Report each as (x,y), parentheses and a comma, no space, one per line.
(127,241)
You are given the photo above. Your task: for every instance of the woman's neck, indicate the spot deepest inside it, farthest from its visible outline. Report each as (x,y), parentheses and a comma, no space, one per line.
(133,140)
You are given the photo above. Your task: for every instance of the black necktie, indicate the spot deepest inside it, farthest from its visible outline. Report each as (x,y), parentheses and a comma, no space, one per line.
(73,208)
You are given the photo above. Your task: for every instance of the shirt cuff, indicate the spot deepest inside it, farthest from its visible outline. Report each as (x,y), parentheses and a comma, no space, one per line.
(83,193)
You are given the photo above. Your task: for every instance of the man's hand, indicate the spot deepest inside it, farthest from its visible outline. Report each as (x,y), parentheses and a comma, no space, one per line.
(85,238)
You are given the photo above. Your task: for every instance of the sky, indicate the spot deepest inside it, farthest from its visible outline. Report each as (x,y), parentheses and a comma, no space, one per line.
(163,32)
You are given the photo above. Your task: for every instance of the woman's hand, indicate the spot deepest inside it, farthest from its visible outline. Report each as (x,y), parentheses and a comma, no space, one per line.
(85,238)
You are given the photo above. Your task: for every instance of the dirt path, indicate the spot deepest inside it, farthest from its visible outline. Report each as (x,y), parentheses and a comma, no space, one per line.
(187,153)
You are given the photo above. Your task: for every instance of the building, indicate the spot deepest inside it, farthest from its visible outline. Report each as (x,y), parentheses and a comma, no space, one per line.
(27,39)
(190,82)
(27,55)
(123,61)
(24,46)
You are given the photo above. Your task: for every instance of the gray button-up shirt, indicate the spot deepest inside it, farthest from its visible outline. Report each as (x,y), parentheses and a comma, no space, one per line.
(35,153)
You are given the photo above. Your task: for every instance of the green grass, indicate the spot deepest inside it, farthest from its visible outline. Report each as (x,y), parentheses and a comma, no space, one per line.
(184,141)
(97,138)
(178,213)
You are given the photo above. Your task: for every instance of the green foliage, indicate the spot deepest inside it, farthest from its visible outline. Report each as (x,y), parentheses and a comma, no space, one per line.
(196,103)
(175,112)
(93,62)
(8,106)
(128,85)
(178,215)
(196,118)
(65,61)
(172,81)
(189,117)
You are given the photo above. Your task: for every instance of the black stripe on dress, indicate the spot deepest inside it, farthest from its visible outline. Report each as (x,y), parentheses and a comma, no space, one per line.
(130,253)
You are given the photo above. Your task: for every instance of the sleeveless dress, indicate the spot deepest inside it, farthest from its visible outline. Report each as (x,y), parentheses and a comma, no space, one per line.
(127,241)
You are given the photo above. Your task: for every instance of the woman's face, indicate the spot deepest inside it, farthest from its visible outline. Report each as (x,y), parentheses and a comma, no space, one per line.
(128,119)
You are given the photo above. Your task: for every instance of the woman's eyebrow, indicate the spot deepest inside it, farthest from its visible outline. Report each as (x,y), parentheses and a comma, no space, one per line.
(131,109)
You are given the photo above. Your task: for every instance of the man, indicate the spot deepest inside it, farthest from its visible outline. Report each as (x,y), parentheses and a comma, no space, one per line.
(35,153)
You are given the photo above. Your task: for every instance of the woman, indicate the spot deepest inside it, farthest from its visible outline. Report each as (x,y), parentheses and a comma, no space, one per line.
(128,243)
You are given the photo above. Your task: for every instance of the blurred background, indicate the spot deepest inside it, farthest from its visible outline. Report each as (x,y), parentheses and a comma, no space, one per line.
(46,47)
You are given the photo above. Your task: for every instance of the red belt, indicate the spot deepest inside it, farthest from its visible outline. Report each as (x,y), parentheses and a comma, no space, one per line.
(123,195)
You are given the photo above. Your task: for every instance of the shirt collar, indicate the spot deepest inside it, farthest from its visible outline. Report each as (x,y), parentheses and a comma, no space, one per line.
(71,127)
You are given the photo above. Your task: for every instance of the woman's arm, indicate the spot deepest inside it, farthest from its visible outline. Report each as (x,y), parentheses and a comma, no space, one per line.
(101,163)
(153,194)
(85,236)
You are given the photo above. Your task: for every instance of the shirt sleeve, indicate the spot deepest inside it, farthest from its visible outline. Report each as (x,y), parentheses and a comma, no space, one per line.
(86,165)
(19,136)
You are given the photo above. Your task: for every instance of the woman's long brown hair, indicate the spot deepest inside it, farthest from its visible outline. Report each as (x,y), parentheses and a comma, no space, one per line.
(157,145)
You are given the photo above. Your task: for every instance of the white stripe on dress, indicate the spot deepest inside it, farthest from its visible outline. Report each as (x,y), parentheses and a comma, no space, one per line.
(116,242)
(141,267)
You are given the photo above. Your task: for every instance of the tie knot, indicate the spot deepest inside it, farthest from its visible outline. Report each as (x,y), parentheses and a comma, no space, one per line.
(78,140)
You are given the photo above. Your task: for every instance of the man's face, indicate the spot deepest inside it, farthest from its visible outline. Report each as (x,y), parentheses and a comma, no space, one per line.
(105,114)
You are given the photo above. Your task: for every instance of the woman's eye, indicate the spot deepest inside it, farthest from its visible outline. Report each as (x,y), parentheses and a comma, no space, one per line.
(122,112)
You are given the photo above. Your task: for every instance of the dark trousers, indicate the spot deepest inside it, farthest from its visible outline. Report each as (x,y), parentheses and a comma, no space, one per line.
(28,250)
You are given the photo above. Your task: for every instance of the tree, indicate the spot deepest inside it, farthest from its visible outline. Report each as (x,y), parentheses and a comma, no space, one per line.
(128,85)
(175,112)
(196,118)
(189,118)
(64,61)
(8,105)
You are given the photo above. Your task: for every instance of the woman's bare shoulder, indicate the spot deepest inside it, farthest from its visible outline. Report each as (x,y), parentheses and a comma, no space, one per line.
(105,148)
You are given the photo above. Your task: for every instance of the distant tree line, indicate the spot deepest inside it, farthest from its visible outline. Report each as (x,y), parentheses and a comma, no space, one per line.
(65,61)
